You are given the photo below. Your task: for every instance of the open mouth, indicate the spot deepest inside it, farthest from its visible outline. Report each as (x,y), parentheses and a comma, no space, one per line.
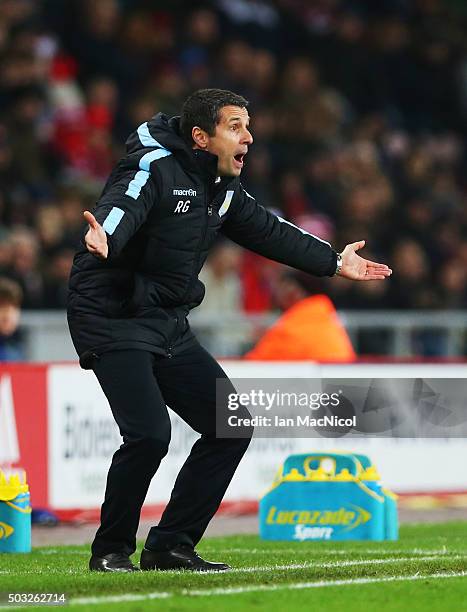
(238,159)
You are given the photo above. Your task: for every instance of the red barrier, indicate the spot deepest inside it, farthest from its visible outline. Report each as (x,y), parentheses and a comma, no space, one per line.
(23,413)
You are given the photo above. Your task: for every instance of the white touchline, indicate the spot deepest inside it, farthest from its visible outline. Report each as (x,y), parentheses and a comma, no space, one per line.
(105,599)
(265,587)
(337,564)
(56,551)
(47,572)
(119,598)
(291,566)
(79,601)
(330,551)
(319,584)
(277,551)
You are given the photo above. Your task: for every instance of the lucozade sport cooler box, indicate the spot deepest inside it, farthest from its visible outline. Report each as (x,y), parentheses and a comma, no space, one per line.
(328,496)
(15,514)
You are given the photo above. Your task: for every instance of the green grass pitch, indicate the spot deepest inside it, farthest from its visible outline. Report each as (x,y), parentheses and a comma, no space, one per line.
(425,570)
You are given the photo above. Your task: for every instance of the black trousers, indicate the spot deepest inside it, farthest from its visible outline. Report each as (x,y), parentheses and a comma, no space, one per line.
(138,386)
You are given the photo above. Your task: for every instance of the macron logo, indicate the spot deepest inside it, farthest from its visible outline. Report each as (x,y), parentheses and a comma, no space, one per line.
(184,192)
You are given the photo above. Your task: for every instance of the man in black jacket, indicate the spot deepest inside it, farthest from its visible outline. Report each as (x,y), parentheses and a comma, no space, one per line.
(132,284)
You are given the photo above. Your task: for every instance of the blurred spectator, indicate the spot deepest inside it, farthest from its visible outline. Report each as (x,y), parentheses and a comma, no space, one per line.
(359,113)
(72,203)
(10,304)
(49,225)
(221,279)
(309,329)
(223,298)
(257,274)
(56,278)
(413,288)
(453,283)
(25,266)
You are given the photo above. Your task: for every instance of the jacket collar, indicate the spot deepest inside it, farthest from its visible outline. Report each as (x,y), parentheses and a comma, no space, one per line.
(206,163)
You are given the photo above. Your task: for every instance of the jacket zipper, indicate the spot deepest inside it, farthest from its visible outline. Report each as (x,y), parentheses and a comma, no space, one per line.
(208,209)
(169,347)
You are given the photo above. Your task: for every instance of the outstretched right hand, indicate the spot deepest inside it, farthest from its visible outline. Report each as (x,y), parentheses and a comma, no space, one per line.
(95,238)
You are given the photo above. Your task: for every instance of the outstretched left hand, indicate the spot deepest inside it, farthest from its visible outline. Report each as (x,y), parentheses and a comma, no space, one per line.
(355,267)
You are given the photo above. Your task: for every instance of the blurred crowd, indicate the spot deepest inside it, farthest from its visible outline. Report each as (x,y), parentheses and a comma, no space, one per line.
(359,114)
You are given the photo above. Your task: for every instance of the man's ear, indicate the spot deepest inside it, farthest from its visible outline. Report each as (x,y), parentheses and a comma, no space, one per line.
(200,137)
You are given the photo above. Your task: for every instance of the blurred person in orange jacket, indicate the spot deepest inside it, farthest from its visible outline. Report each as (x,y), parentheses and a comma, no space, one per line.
(309,329)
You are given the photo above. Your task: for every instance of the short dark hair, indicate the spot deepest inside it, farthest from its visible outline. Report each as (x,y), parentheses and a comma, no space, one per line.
(10,292)
(202,109)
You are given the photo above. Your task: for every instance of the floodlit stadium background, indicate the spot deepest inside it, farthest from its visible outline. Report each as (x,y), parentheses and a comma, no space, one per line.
(359,117)
(359,114)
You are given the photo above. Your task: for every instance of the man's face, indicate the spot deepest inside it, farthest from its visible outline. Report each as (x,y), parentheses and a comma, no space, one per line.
(231,140)
(9,319)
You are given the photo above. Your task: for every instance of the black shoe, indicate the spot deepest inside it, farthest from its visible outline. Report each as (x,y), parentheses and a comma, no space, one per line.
(180,557)
(113,562)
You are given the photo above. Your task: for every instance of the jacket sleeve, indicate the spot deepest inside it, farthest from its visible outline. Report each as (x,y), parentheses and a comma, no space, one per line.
(124,206)
(257,229)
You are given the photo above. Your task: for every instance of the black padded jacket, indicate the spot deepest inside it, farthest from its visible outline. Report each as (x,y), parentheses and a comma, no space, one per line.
(162,208)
